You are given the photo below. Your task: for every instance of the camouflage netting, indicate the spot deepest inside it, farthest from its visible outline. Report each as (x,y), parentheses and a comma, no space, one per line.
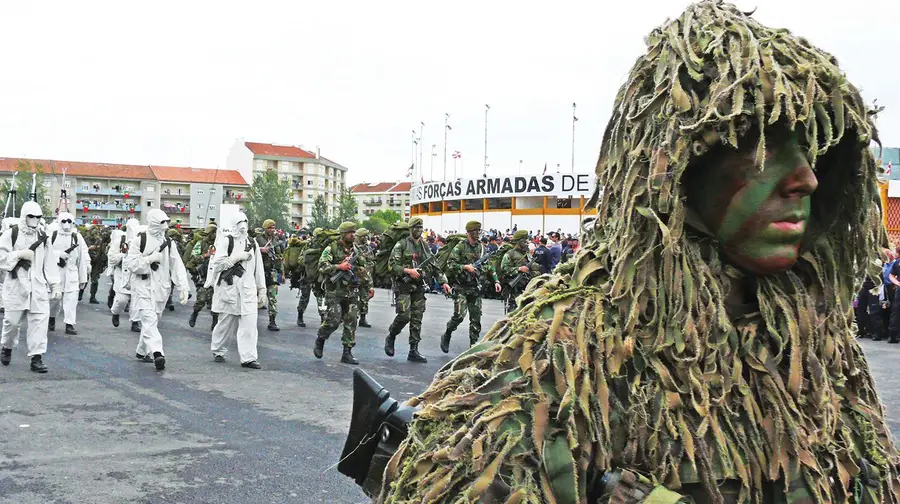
(628,357)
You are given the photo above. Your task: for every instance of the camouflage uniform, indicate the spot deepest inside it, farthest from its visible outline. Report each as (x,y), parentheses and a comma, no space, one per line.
(362,243)
(343,294)
(271,265)
(466,290)
(509,269)
(97,242)
(197,264)
(410,305)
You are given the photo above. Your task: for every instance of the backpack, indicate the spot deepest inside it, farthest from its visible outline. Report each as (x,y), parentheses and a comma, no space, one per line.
(313,252)
(53,238)
(381,275)
(292,261)
(497,258)
(443,254)
(197,237)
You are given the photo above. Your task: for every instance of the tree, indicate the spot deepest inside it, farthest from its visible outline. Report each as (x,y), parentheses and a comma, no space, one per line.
(347,206)
(269,199)
(320,217)
(24,189)
(387,216)
(375,225)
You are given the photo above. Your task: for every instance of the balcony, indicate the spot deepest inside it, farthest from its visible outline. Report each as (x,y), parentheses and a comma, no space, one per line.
(373,202)
(108,206)
(173,209)
(107,192)
(175,195)
(233,196)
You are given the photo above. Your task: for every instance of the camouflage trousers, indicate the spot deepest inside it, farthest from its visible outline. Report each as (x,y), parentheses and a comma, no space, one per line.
(204,298)
(466,300)
(341,309)
(512,294)
(321,304)
(272,300)
(410,310)
(363,302)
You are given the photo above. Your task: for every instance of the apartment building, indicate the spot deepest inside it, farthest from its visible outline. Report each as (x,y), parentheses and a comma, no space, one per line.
(109,193)
(309,173)
(371,198)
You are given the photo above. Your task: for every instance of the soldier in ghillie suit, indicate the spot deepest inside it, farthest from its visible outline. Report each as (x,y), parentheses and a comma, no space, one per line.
(339,267)
(97,240)
(362,244)
(700,344)
(466,280)
(410,260)
(197,265)
(517,268)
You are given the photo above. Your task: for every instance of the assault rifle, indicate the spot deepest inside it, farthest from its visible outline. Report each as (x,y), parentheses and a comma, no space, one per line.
(341,275)
(63,262)
(522,276)
(166,242)
(420,268)
(22,263)
(479,264)
(236,271)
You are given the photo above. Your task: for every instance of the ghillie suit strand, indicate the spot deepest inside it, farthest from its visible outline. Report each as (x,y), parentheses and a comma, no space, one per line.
(628,357)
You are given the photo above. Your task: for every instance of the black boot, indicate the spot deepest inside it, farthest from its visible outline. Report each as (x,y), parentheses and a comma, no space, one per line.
(110,298)
(300,322)
(363,322)
(37,365)
(348,358)
(70,329)
(144,358)
(5,356)
(473,340)
(80,294)
(319,348)
(445,342)
(51,325)
(252,365)
(115,321)
(272,325)
(389,345)
(215,317)
(93,299)
(414,355)
(159,360)
(135,326)
(193,320)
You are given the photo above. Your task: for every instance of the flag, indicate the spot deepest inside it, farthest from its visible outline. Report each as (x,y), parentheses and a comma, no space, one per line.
(888,172)
(574,118)
(410,170)
(456,155)
(545,169)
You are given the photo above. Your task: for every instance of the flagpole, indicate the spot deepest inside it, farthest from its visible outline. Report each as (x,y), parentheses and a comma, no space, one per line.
(421,138)
(446,129)
(433,154)
(412,175)
(520,167)
(574,118)
(486,108)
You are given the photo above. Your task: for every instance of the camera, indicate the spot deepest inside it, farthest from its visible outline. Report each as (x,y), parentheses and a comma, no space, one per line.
(377,427)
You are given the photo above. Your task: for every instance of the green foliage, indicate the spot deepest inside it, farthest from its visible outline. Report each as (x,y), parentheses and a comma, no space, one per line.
(388,216)
(269,199)
(24,189)
(320,217)
(347,206)
(375,225)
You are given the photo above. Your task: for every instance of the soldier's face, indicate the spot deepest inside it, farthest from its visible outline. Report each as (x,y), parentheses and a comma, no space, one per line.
(270,230)
(474,235)
(416,232)
(349,237)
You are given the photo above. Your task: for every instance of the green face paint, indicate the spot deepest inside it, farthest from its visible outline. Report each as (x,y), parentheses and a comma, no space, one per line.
(758,217)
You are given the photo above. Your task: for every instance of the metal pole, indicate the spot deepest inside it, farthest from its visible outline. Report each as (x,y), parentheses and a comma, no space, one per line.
(433,154)
(446,129)
(486,108)
(520,167)
(413,163)
(421,138)
(574,118)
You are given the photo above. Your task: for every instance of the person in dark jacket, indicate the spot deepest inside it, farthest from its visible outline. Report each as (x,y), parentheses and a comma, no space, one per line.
(542,256)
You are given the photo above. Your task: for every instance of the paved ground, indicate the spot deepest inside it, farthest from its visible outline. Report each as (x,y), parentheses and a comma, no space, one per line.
(104,428)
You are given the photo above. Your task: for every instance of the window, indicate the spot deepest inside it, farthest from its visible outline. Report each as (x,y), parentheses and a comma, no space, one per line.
(68,184)
(85,187)
(199,191)
(212,207)
(199,205)
(149,204)
(46,200)
(149,188)
(212,190)
(129,188)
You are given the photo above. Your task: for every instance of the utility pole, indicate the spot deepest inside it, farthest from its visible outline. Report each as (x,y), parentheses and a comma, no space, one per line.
(446,129)
(574,120)
(486,108)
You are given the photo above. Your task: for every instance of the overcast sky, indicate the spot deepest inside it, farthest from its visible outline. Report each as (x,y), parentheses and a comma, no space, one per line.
(177,82)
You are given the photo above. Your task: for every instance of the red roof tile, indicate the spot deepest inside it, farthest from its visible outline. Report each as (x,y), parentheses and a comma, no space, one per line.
(380,187)
(81,169)
(402,187)
(200,175)
(264,149)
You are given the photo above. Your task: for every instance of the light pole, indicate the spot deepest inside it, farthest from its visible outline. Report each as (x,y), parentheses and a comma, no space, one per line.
(486,108)
(433,155)
(574,120)
(446,129)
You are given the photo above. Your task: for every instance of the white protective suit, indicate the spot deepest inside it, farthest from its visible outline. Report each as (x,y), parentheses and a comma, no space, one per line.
(116,268)
(70,246)
(4,227)
(28,295)
(150,287)
(237,304)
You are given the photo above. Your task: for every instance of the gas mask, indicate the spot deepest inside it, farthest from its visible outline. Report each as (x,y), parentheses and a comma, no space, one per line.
(131,229)
(157,223)
(239,227)
(66,222)
(416,232)
(31,214)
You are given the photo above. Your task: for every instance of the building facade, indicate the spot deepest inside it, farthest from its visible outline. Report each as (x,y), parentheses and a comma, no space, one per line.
(310,174)
(533,202)
(371,198)
(110,194)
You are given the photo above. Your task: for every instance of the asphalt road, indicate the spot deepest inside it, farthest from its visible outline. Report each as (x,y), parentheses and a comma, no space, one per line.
(102,427)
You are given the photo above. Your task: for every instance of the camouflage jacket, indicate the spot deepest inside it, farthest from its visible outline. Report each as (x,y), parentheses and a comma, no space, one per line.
(198,263)
(410,254)
(97,246)
(348,284)
(462,254)
(271,259)
(365,272)
(512,260)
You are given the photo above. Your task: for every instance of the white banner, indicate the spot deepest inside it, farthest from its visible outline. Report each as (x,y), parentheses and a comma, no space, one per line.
(558,184)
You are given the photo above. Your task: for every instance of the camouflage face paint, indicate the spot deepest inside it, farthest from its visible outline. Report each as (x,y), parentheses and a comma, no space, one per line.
(758,217)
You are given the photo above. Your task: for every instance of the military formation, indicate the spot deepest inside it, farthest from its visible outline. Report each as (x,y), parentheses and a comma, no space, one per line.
(238,273)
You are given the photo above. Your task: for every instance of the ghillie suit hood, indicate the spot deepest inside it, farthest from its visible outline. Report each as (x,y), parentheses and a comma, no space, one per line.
(627,357)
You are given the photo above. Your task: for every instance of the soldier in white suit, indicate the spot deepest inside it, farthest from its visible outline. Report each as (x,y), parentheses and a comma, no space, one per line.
(73,264)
